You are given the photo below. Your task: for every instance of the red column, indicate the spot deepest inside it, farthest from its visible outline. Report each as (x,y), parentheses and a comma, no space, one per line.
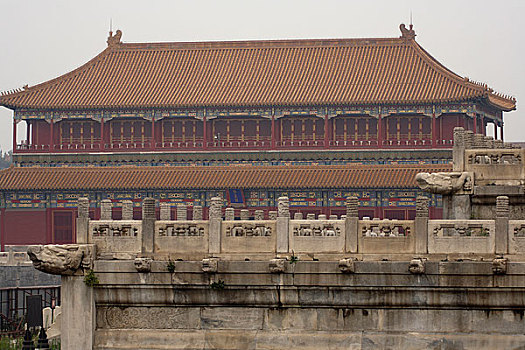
(101,146)
(28,131)
(273,131)
(495,130)
(501,131)
(379,132)
(204,133)
(14,135)
(326,138)
(153,142)
(475,124)
(483,131)
(51,136)
(2,229)
(434,133)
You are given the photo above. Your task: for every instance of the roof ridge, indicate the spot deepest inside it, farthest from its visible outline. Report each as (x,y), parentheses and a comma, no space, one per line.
(224,167)
(258,43)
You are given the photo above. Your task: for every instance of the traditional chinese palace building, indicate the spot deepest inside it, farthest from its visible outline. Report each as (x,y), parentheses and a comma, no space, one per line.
(316,120)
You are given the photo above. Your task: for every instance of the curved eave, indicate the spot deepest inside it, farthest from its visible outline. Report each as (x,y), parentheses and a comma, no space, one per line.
(502,103)
(252,105)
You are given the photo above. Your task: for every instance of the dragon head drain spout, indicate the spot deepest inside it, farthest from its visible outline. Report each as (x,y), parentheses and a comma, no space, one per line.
(444,183)
(61,259)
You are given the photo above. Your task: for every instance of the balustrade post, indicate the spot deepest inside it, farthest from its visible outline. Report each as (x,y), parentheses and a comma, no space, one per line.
(352,224)
(148,226)
(165,211)
(83,220)
(106,209)
(502,225)
(127,210)
(197,212)
(229,214)
(283,224)
(245,214)
(215,223)
(78,313)
(182,212)
(259,215)
(458,150)
(421,225)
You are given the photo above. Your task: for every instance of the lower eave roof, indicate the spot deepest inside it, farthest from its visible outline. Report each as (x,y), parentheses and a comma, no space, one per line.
(212,177)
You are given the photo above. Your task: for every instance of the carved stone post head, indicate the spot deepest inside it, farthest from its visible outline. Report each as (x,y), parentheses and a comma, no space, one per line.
(127,210)
(352,207)
(216,208)
(459,137)
(245,214)
(422,206)
(83,207)
(479,141)
(469,139)
(298,216)
(489,142)
(148,208)
(182,212)
(283,207)
(259,214)
(105,209)
(165,211)
(197,212)
(229,214)
(502,207)
(272,215)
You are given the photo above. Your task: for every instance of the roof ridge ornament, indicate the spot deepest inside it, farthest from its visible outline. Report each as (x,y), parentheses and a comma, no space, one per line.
(114,40)
(409,34)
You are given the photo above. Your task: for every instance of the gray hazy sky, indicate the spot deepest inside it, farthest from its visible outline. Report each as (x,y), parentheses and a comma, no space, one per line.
(484,40)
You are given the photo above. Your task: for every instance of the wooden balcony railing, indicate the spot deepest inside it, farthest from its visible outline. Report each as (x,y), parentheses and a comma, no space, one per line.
(218,145)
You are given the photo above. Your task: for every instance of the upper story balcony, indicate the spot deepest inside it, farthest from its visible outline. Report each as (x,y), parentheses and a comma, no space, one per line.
(243,134)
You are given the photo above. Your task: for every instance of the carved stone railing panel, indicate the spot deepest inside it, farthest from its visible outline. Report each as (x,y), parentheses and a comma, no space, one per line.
(248,236)
(116,236)
(386,236)
(496,166)
(181,236)
(317,236)
(461,236)
(517,236)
